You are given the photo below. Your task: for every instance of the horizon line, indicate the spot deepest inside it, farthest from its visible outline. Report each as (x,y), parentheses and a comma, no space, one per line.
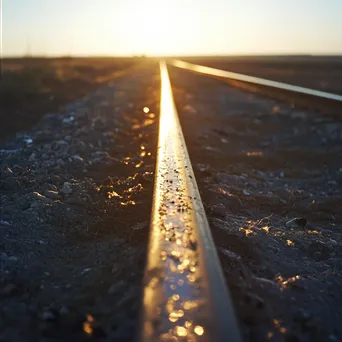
(14,56)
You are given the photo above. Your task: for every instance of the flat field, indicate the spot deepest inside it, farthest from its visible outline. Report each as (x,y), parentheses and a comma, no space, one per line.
(31,87)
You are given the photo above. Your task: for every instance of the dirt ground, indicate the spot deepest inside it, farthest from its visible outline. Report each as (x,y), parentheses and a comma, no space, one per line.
(31,87)
(76,201)
(316,72)
(259,164)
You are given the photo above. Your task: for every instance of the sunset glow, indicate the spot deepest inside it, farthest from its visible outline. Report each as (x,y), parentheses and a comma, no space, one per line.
(165,27)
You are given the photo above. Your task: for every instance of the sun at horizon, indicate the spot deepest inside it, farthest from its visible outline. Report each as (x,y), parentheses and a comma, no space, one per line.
(153,27)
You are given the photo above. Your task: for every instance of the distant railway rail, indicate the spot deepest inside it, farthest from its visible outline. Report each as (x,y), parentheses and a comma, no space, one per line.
(304,96)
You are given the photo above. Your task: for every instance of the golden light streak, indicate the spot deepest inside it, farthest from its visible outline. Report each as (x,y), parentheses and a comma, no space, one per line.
(87,325)
(255,154)
(181,331)
(199,330)
(290,243)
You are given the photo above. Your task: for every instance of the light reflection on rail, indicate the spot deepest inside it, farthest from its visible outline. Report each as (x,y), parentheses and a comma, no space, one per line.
(255,80)
(185,297)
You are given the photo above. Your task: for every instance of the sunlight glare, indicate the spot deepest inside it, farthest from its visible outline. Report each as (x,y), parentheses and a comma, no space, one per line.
(151,27)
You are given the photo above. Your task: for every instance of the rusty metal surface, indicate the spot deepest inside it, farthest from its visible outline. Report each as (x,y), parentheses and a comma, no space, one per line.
(256,80)
(185,297)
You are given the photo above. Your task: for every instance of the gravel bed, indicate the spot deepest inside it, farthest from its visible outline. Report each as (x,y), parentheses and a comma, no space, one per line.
(76,200)
(270,177)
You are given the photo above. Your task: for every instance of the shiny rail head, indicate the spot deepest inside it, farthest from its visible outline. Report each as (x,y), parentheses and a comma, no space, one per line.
(255,80)
(185,297)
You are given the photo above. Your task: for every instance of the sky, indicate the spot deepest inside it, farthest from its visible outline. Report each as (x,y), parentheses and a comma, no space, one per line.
(171,27)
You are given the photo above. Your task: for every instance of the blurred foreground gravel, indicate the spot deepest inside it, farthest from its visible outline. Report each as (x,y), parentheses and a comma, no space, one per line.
(76,199)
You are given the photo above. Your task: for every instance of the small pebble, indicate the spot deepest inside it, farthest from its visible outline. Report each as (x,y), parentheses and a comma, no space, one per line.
(40,197)
(51,194)
(332,182)
(64,310)
(68,119)
(66,189)
(4,223)
(77,158)
(86,270)
(219,210)
(332,243)
(297,222)
(3,256)
(12,258)
(48,316)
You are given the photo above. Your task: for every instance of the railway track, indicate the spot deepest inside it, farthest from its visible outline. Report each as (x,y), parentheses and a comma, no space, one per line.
(310,98)
(185,296)
(226,273)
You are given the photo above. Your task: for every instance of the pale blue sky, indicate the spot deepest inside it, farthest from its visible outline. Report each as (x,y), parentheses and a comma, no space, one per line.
(126,27)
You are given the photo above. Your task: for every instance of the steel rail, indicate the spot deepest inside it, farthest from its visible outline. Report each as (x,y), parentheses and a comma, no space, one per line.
(185,297)
(255,80)
(289,88)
